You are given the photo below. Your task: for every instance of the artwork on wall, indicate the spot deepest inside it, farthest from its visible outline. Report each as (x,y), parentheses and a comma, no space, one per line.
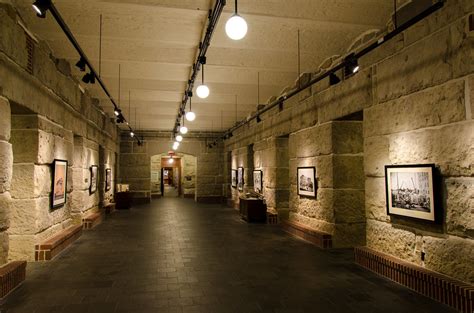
(410,191)
(306,183)
(108,179)
(257,181)
(59,183)
(93,184)
(233,177)
(240,178)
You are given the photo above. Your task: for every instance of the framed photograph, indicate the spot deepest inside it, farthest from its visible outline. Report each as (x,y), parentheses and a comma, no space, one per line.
(306,183)
(59,189)
(233,177)
(240,178)
(108,179)
(257,181)
(93,184)
(410,191)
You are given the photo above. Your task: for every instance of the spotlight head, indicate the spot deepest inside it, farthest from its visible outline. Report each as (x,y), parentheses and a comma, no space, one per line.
(117,111)
(190,116)
(120,119)
(202,60)
(81,64)
(179,138)
(351,65)
(89,78)
(40,7)
(236,27)
(258,119)
(333,79)
(183,130)
(202,91)
(132,134)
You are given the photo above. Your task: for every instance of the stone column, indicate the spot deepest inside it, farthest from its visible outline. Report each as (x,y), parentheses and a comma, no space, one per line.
(6,165)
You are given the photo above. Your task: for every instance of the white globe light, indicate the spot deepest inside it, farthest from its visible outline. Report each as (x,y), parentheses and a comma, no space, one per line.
(190,116)
(170,161)
(183,130)
(236,27)
(175,147)
(202,91)
(179,138)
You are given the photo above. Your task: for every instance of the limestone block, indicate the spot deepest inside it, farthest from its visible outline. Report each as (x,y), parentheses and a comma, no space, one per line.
(46,148)
(47,217)
(347,235)
(22,247)
(387,238)
(10,33)
(349,205)
(202,181)
(4,247)
(449,147)
(276,177)
(312,141)
(348,171)
(30,180)
(470,90)
(25,145)
(437,106)
(340,100)
(280,123)
(376,155)
(133,159)
(5,204)
(23,215)
(6,164)
(316,224)
(304,114)
(5,119)
(375,199)
(25,121)
(260,145)
(451,256)
(79,200)
(210,168)
(139,171)
(460,206)
(137,184)
(347,137)
(80,178)
(320,208)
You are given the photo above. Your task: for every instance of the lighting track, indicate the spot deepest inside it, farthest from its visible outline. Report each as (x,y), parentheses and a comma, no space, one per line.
(57,16)
(203,46)
(435,7)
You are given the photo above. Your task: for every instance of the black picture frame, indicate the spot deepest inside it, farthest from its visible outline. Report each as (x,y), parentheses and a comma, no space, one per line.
(94,172)
(258,181)
(411,191)
(304,187)
(240,178)
(59,183)
(108,179)
(233,178)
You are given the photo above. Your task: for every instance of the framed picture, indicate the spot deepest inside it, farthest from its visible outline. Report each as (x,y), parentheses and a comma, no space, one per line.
(93,184)
(108,179)
(410,191)
(233,177)
(257,181)
(59,188)
(306,183)
(240,178)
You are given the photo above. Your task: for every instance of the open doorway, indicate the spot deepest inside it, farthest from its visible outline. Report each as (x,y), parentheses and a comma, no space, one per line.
(173,177)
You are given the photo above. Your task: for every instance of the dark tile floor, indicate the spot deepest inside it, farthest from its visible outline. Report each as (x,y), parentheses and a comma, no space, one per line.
(176,256)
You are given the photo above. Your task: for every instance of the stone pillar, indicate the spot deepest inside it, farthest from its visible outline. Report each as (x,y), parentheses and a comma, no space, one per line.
(135,170)
(6,164)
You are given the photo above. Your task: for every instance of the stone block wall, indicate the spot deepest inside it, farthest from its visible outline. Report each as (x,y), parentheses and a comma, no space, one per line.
(415,95)
(50,117)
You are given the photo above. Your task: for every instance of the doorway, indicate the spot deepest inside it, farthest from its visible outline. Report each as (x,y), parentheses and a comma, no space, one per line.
(170,181)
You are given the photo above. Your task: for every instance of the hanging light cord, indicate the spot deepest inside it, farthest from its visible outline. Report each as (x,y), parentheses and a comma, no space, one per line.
(235,7)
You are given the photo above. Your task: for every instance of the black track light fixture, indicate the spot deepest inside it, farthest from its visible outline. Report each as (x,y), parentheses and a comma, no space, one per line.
(89,78)
(41,6)
(120,119)
(117,111)
(81,64)
(333,79)
(258,119)
(351,65)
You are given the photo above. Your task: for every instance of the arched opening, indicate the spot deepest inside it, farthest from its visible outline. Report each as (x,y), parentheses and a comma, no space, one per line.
(173,177)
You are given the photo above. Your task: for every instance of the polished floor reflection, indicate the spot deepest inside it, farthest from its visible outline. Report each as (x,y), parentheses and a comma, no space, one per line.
(177,256)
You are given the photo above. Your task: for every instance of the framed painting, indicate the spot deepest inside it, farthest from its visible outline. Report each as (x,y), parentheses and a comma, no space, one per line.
(233,177)
(93,184)
(257,181)
(410,191)
(108,179)
(306,181)
(240,178)
(59,188)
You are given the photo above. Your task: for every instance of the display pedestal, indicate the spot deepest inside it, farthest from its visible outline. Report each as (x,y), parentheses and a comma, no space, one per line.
(253,210)
(123,200)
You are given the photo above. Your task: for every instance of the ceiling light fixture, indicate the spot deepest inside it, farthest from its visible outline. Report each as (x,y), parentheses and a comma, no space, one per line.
(190,115)
(179,138)
(81,64)
(333,79)
(171,160)
(132,134)
(202,90)
(351,65)
(117,111)
(183,129)
(236,26)
(89,78)
(40,7)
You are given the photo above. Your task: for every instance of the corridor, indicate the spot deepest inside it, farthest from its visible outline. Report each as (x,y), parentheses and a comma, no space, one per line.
(178,256)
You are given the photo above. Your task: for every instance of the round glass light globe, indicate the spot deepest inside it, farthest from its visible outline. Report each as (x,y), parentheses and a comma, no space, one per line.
(170,161)
(236,27)
(179,138)
(190,116)
(183,130)
(202,91)
(175,147)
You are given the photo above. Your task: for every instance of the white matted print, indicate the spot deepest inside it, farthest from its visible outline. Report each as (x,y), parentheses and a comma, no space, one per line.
(59,183)
(240,178)
(233,177)
(410,191)
(257,181)
(306,183)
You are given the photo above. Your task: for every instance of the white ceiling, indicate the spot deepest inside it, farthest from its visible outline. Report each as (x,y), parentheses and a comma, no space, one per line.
(156,42)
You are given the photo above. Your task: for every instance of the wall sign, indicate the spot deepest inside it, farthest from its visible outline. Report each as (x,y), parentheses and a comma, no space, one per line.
(59,188)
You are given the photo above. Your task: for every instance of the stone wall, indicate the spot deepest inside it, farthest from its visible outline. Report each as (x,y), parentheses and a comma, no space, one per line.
(50,117)
(414,99)
(135,165)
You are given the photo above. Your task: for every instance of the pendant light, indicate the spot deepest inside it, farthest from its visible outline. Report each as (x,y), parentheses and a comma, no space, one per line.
(190,115)
(202,90)
(179,138)
(183,129)
(236,26)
